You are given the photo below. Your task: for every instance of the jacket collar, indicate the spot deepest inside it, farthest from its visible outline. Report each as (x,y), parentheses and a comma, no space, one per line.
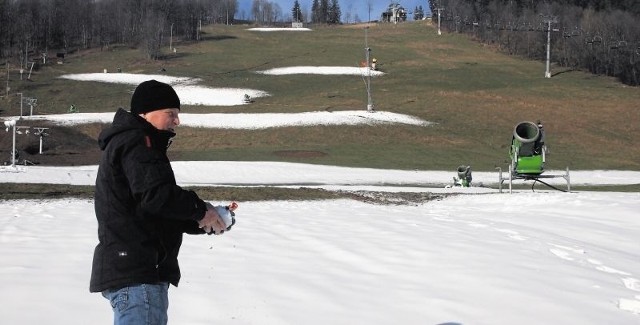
(125,121)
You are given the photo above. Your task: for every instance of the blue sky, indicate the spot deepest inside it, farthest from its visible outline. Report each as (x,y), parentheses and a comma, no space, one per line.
(356,7)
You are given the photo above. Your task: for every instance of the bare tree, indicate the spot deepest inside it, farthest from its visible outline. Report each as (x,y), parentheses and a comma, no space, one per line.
(600,41)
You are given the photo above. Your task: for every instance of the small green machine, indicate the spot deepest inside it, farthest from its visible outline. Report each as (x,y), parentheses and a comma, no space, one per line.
(528,155)
(464,176)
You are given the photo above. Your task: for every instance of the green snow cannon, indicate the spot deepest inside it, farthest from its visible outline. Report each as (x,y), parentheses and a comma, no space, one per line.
(527,149)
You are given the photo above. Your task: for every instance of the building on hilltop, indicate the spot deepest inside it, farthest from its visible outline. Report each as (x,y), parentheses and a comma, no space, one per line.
(395,13)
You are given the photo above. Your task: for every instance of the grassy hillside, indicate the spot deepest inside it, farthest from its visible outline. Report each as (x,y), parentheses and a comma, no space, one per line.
(474,94)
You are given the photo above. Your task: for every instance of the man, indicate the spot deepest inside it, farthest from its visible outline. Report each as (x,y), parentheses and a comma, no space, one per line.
(141,212)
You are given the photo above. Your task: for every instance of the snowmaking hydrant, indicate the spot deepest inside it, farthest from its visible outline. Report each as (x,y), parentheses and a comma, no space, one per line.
(464,176)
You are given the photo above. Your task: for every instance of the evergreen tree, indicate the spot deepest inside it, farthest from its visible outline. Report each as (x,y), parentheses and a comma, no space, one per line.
(296,13)
(315,11)
(418,13)
(334,13)
(323,15)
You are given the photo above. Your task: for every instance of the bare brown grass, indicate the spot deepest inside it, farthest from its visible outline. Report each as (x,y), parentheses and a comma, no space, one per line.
(474,95)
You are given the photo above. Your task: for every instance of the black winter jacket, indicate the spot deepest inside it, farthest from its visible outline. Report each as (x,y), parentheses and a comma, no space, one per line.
(141,212)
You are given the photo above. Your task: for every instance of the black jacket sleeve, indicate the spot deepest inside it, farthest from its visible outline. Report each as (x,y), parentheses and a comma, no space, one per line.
(153,184)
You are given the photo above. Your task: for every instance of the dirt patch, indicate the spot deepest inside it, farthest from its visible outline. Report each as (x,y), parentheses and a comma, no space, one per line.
(300,153)
(393,198)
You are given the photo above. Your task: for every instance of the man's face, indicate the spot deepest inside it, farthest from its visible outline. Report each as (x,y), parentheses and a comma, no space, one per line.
(164,119)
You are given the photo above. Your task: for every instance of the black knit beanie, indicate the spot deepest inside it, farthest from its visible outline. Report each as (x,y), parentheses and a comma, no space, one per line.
(153,95)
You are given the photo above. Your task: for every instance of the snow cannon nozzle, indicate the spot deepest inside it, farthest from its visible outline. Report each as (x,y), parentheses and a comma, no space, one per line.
(526,132)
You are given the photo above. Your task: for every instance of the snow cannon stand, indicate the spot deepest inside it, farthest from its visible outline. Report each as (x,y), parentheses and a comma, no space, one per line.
(528,155)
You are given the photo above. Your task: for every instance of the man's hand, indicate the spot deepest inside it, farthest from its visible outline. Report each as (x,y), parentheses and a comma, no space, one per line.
(212,223)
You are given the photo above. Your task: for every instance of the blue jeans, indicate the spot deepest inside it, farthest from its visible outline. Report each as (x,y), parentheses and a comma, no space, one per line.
(140,304)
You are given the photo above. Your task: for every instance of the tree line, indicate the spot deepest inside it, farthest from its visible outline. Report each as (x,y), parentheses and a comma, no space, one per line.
(30,29)
(265,12)
(599,36)
(325,12)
